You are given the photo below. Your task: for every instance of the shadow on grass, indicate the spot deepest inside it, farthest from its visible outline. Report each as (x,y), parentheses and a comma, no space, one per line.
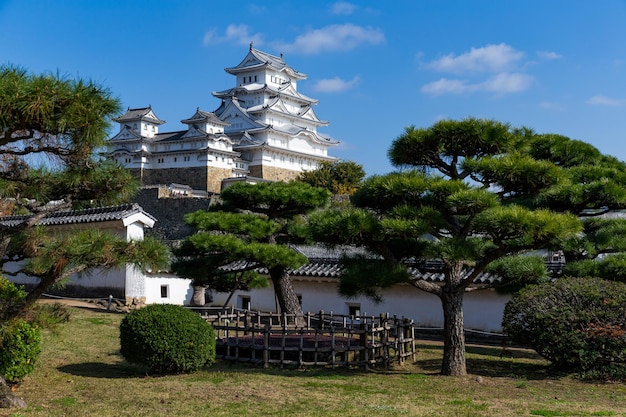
(486,361)
(103,370)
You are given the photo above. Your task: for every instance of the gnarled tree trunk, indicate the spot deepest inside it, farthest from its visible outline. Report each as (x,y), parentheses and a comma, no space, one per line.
(198,298)
(453,363)
(285,294)
(451,295)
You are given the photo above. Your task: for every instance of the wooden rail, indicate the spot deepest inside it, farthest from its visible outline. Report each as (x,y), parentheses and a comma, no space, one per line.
(325,339)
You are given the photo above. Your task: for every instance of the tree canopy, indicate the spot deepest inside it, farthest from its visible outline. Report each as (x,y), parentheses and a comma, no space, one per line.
(51,129)
(338,177)
(471,192)
(250,229)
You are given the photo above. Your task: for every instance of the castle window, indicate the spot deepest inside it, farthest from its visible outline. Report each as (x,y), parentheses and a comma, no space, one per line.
(244,302)
(354,309)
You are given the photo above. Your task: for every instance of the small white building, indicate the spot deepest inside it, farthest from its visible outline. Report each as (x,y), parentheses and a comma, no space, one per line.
(125,221)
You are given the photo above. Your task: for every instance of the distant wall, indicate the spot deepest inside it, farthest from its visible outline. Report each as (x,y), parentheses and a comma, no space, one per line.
(170,213)
(199,178)
(273,173)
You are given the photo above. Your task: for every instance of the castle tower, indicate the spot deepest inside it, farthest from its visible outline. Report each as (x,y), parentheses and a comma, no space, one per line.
(271,124)
(199,157)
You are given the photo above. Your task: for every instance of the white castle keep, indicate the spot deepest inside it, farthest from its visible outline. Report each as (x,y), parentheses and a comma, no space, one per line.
(263,129)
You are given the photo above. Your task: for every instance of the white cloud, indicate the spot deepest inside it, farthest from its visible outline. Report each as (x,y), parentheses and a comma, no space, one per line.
(238,34)
(549,55)
(551,105)
(490,58)
(445,86)
(502,83)
(343,8)
(600,100)
(209,37)
(334,38)
(334,85)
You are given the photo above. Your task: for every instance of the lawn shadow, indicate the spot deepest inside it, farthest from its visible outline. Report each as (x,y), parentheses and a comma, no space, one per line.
(491,361)
(103,370)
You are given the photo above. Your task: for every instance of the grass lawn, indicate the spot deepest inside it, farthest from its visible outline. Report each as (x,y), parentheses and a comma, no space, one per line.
(80,373)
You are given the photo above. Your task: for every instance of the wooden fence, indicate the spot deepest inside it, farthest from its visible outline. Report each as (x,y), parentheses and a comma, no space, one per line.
(324,339)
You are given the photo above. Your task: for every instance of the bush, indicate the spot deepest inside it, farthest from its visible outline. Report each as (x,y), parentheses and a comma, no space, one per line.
(11,296)
(578,324)
(20,345)
(166,338)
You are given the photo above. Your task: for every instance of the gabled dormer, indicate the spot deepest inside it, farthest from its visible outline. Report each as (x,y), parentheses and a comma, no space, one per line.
(236,116)
(143,121)
(126,134)
(263,68)
(206,122)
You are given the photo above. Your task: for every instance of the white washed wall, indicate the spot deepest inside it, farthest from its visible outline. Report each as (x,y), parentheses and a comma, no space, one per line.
(179,290)
(483,309)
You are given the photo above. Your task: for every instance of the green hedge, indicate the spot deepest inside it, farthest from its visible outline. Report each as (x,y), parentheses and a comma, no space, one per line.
(20,345)
(578,324)
(166,339)
(20,340)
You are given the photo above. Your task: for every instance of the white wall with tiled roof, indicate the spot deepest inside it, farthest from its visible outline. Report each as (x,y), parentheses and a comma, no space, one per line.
(483,309)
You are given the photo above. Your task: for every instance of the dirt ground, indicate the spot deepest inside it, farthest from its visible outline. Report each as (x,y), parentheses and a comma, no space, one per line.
(72,302)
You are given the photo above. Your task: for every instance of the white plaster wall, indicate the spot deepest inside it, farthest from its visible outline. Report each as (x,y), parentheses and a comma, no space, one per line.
(482,309)
(134,231)
(301,144)
(113,279)
(135,282)
(179,290)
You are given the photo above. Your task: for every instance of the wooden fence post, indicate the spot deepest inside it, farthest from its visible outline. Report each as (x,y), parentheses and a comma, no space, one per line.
(266,347)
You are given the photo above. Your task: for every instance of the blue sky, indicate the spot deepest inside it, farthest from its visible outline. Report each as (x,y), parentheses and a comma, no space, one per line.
(554,66)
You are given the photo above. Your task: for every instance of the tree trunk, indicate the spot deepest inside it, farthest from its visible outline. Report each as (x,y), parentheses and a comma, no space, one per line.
(7,399)
(198,299)
(453,363)
(287,298)
(45,282)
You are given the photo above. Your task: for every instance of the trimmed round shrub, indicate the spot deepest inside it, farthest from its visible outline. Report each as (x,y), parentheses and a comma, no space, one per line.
(166,338)
(20,345)
(578,324)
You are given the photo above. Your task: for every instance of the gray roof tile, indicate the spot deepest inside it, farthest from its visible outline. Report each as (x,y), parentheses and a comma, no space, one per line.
(326,263)
(92,215)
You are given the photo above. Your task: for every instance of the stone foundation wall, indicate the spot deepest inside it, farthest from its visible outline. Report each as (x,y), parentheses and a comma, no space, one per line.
(273,173)
(215,177)
(196,178)
(199,178)
(170,213)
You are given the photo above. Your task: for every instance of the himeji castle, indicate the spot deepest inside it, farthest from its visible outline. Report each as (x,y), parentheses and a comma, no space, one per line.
(264,128)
